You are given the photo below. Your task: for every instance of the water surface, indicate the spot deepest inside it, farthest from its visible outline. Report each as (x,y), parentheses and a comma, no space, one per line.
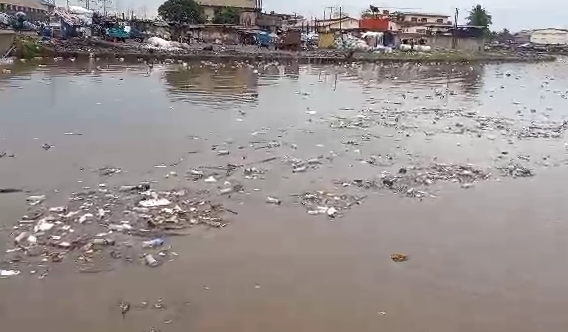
(483,259)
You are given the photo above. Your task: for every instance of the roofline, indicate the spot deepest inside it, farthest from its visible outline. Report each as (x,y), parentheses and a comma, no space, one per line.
(337,19)
(565,30)
(423,14)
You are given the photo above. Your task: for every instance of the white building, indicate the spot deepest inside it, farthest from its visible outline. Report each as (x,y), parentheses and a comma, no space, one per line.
(416,23)
(334,24)
(549,37)
(424,18)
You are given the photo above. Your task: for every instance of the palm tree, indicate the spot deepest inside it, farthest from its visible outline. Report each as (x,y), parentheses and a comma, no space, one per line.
(479,16)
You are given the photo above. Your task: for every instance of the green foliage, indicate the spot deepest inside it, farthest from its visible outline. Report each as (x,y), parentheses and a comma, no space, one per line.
(479,16)
(181,11)
(27,48)
(227,15)
(501,36)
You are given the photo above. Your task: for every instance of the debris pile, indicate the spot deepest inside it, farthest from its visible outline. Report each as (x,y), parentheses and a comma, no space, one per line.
(96,227)
(516,170)
(412,181)
(331,204)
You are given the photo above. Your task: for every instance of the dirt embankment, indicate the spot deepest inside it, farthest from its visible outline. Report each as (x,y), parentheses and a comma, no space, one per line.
(133,51)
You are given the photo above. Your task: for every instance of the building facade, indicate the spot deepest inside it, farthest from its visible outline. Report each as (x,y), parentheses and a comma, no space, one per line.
(416,23)
(248,9)
(35,10)
(423,18)
(336,24)
(549,37)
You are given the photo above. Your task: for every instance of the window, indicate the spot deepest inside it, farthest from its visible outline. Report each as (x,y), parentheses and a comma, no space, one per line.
(420,30)
(424,20)
(440,20)
(413,19)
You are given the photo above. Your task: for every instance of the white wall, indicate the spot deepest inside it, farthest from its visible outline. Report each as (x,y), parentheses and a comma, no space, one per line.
(345,25)
(426,19)
(416,29)
(549,37)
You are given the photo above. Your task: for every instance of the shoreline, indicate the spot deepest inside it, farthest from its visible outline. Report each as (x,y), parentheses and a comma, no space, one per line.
(311,57)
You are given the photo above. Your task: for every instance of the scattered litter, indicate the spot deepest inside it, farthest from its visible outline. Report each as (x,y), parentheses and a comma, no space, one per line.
(398,258)
(152,243)
(210,179)
(151,261)
(273,200)
(154,202)
(9,273)
(329,204)
(35,200)
(516,170)
(97,227)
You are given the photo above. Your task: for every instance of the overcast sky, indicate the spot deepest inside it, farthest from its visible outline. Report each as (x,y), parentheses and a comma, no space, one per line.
(514,15)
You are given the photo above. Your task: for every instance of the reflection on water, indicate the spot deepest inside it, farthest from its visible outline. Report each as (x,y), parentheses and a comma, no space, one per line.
(234,81)
(203,85)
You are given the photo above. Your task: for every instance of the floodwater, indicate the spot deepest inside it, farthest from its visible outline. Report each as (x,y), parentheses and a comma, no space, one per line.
(488,258)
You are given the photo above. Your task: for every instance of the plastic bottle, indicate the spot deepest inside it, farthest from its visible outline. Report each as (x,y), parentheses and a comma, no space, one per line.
(153,243)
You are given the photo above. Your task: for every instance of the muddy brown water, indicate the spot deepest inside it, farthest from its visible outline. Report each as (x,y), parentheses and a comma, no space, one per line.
(490,258)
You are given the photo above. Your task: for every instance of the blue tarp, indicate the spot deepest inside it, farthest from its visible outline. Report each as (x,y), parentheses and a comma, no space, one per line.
(263,38)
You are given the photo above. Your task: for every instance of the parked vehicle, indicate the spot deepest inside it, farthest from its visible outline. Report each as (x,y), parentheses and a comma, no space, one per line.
(116,33)
(138,36)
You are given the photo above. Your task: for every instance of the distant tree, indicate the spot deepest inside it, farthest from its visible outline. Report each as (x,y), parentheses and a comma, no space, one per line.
(479,16)
(227,15)
(181,11)
(501,36)
(367,14)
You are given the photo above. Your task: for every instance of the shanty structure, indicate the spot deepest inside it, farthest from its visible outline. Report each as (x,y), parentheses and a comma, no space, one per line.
(35,10)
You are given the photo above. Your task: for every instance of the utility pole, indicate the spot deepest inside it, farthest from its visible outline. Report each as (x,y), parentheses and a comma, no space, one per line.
(454,34)
(340,19)
(330,12)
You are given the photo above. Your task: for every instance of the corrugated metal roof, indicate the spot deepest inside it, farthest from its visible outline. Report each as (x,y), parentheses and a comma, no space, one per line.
(36,4)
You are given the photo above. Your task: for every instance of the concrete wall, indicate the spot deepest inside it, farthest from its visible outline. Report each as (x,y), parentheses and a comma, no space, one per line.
(37,13)
(248,18)
(463,44)
(267,20)
(6,40)
(445,42)
(226,36)
(549,37)
(431,19)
